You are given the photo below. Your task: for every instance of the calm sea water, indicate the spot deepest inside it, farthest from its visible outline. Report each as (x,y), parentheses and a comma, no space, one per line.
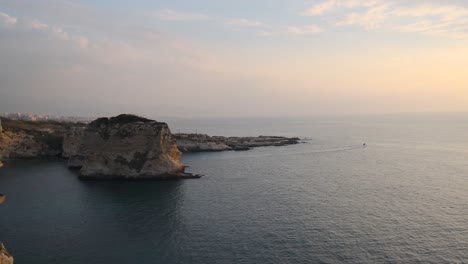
(402,199)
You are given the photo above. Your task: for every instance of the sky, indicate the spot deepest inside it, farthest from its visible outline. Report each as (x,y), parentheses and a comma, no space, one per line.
(243,58)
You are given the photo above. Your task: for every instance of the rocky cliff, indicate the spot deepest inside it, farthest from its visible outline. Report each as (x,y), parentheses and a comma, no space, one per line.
(124,147)
(19,139)
(5,257)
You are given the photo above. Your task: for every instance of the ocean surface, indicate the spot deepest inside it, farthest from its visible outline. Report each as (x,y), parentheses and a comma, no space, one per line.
(401,199)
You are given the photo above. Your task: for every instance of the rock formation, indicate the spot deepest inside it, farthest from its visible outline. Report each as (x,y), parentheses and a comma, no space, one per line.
(124,147)
(72,141)
(200,143)
(20,139)
(5,257)
(22,145)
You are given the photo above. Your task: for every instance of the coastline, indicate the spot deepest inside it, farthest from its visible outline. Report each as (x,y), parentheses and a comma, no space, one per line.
(121,148)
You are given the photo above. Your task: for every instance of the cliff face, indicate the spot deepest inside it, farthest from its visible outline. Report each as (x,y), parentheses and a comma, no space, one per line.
(5,257)
(22,144)
(124,147)
(72,141)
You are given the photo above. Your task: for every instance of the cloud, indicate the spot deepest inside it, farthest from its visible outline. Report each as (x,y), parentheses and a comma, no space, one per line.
(83,42)
(172,15)
(444,12)
(242,22)
(448,20)
(435,20)
(36,25)
(319,9)
(304,30)
(370,19)
(7,20)
(59,32)
(235,24)
(265,33)
(328,5)
(179,16)
(153,68)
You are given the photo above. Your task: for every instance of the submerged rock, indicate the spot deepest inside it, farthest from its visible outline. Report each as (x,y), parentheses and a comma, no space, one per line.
(5,257)
(125,147)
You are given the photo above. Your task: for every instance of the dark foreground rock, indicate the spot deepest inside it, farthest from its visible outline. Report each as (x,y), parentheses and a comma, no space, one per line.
(201,143)
(5,257)
(125,147)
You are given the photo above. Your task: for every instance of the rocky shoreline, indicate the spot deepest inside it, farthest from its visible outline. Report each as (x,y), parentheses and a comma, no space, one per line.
(125,147)
(205,143)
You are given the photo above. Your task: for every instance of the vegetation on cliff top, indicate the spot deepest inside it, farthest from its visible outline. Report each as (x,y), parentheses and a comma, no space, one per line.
(120,119)
(15,125)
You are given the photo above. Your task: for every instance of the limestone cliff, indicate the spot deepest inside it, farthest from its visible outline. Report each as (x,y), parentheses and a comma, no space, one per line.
(124,147)
(5,257)
(22,140)
(72,141)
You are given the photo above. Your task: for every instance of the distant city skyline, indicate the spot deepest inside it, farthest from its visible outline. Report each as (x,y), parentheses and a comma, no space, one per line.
(207,58)
(44,117)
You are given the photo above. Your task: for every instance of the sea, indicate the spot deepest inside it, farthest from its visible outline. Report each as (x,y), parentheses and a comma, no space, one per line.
(401,198)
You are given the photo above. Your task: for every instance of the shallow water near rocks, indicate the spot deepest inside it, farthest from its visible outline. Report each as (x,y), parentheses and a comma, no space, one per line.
(403,198)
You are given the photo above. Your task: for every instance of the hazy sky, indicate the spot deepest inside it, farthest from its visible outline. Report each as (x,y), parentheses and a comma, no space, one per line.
(233,58)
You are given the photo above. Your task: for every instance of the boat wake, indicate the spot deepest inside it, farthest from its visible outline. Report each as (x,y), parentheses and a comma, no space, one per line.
(338,149)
